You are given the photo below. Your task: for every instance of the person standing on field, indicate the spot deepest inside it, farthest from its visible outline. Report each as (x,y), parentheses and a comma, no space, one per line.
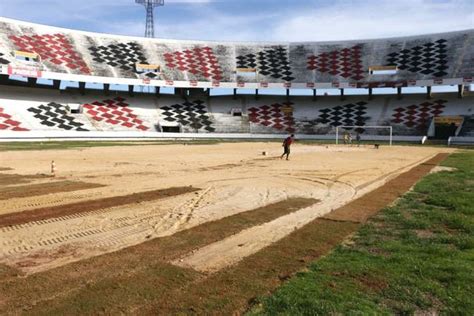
(345,137)
(286,146)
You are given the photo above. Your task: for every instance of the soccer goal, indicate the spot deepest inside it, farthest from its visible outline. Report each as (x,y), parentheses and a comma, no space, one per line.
(369,137)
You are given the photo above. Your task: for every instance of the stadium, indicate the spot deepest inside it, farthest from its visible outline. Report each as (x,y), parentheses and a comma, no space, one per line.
(145,175)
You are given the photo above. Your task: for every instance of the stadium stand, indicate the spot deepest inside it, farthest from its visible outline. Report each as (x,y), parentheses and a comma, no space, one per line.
(37,51)
(50,110)
(444,58)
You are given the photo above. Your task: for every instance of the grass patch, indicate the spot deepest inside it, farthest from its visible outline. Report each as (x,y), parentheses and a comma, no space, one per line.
(59,145)
(30,190)
(416,256)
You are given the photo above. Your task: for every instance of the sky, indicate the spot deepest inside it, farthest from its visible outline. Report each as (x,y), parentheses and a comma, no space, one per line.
(252,20)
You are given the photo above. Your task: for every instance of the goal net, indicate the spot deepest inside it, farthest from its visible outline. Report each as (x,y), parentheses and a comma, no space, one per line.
(348,133)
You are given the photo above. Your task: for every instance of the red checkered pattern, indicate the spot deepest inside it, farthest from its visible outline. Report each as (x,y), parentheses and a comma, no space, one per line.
(7,123)
(114,112)
(346,63)
(198,61)
(54,48)
(273,116)
(418,116)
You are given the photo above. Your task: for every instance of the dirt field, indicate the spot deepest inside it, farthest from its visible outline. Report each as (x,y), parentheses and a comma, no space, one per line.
(107,205)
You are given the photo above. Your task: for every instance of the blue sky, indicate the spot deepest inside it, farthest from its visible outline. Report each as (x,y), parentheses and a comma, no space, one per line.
(253,20)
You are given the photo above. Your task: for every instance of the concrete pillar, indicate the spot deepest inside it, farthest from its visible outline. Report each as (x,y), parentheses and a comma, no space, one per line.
(130,90)
(428,92)
(460,91)
(82,88)
(370,94)
(106,88)
(56,84)
(399,93)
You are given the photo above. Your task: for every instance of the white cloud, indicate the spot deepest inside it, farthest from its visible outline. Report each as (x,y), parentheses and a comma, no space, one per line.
(375,19)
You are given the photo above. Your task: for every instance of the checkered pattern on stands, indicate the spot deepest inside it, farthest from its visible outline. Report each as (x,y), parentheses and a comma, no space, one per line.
(272,62)
(54,48)
(429,58)
(418,115)
(348,115)
(8,123)
(346,63)
(273,116)
(192,114)
(197,61)
(121,55)
(55,115)
(114,112)
(2,60)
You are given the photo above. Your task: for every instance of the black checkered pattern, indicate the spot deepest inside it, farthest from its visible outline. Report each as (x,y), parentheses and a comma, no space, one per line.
(55,115)
(2,60)
(348,115)
(270,62)
(123,55)
(191,114)
(427,59)
(150,74)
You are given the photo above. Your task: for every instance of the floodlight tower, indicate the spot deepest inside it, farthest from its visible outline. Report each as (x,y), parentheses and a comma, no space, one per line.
(149,6)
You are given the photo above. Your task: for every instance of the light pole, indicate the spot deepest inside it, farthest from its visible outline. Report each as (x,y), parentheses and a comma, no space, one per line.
(149,6)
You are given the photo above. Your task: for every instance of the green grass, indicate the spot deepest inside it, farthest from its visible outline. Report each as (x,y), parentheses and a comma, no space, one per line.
(49,145)
(67,144)
(416,256)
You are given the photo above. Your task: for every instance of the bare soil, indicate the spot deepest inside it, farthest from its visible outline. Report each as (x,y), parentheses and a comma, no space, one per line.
(45,188)
(89,206)
(138,264)
(233,178)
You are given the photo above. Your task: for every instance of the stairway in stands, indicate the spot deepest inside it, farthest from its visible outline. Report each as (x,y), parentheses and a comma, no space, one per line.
(467,129)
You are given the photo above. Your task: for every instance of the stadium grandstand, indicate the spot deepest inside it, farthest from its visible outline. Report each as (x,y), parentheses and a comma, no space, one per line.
(37,61)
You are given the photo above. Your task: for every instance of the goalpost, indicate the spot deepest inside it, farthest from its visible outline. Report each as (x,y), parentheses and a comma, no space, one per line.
(365,127)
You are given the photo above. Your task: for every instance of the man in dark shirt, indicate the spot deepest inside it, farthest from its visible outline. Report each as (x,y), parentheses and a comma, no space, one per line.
(286,146)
